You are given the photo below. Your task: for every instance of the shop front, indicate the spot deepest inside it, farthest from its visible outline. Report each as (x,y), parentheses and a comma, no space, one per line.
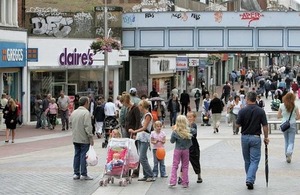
(162,71)
(70,65)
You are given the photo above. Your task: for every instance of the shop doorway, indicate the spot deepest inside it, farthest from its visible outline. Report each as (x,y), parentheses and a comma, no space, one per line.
(56,89)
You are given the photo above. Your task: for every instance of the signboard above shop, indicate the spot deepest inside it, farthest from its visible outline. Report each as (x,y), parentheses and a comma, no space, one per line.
(12,54)
(162,65)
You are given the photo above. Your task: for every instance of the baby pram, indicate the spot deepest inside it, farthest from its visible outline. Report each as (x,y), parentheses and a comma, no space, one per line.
(121,157)
(110,123)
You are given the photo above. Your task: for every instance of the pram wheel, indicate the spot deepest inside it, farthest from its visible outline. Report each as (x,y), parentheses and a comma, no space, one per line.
(129,179)
(104,145)
(123,182)
(105,182)
(101,183)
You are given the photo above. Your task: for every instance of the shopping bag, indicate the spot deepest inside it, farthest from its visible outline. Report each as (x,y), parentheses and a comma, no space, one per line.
(91,157)
(133,156)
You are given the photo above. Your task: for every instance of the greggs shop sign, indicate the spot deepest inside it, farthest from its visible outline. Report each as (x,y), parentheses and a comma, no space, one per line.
(12,54)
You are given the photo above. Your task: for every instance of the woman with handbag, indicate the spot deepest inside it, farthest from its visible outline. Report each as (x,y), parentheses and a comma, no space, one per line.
(10,115)
(289,113)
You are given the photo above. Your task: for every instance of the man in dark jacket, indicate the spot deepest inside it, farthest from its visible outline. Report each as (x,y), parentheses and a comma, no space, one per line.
(184,101)
(216,106)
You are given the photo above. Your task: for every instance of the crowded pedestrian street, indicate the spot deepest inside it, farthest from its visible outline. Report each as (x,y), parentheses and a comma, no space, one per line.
(40,162)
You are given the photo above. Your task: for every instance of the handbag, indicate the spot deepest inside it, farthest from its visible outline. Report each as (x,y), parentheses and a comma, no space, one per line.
(286,125)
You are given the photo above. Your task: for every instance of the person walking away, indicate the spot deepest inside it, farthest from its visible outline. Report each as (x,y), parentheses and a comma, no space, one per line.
(152,94)
(216,106)
(197,97)
(158,139)
(236,106)
(288,109)
(82,138)
(194,149)
(251,119)
(173,108)
(288,82)
(273,88)
(52,112)
(10,114)
(226,91)
(228,110)
(133,96)
(44,117)
(99,117)
(118,106)
(181,136)
(267,87)
(63,105)
(184,101)
(205,111)
(38,107)
(19,105)
(76,101)
(143,140)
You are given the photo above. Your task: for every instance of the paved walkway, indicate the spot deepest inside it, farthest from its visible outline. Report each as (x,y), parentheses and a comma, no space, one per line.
(40,162)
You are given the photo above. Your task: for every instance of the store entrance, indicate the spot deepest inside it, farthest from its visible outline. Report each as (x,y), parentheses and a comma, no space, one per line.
(69,89)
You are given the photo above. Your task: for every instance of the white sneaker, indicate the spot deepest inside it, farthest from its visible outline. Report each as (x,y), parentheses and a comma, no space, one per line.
(86,177)
(75,177)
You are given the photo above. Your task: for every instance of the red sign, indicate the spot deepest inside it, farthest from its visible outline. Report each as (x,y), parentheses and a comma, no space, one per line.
(251,16)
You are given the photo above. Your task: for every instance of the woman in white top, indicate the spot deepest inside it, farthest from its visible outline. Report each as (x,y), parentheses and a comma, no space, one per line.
(143,139)
(236,106)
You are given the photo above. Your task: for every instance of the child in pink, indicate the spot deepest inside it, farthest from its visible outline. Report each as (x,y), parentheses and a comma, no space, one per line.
(181,136)
(52,111)
(158,139)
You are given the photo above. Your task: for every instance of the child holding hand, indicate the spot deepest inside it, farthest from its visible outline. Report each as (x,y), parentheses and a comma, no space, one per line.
(158,139)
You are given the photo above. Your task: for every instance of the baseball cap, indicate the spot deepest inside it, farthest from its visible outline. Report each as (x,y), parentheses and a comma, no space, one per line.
(132,90)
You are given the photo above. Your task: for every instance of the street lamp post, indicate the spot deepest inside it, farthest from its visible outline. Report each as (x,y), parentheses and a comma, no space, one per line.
(105,72)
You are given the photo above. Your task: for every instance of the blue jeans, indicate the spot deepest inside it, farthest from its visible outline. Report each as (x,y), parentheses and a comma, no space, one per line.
(143,147)
(64,115)
(162,166)
(173,116)
(79,163)
(289,139)
(44,120)
(251,148)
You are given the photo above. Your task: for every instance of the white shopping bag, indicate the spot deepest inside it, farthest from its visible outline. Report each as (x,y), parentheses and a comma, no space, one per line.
(91,157)
(133,156)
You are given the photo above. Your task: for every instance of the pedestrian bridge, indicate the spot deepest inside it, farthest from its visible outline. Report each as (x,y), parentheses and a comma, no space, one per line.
(207,32)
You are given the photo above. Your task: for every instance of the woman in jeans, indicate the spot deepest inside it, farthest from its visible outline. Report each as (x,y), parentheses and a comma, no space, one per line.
(286,108)
(143,138)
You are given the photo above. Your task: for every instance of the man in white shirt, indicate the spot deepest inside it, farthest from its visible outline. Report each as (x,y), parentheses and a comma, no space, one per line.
(63,105)
(110,108)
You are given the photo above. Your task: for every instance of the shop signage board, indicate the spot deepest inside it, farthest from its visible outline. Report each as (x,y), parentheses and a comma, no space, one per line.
(181,63)
(12,54)
(193,62)
(162,65)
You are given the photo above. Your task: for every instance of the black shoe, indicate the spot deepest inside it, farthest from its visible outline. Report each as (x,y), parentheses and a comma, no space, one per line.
(249,185)
(63,129)
(217,130)
(179,180)
(199,180)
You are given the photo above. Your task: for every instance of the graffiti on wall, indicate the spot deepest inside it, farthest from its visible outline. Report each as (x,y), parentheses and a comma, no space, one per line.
(101,18)
(83,22)
(57,26)
(44,12)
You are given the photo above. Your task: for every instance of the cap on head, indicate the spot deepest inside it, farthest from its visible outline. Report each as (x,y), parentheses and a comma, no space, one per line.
(132,90)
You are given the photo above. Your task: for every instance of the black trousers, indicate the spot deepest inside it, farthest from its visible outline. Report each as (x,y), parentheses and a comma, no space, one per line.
(195,159)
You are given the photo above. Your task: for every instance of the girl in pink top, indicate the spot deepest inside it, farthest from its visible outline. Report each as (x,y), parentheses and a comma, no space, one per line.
(158,139)
(52,111)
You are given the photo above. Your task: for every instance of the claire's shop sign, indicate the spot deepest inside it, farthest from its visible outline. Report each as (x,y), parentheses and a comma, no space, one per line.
(70,58)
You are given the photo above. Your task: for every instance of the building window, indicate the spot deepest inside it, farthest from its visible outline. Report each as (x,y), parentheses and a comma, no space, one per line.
(32,54)
(9,13)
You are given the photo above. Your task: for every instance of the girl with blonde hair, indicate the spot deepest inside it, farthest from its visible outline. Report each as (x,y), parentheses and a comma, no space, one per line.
(10,114)
(287,109)
(181,136)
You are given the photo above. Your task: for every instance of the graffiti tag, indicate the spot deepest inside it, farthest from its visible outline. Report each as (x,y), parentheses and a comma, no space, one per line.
(149,15)
(44,12)
(129,19)
(195,16)
(83,22)
(251,16)
(57,26)
(182,16)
